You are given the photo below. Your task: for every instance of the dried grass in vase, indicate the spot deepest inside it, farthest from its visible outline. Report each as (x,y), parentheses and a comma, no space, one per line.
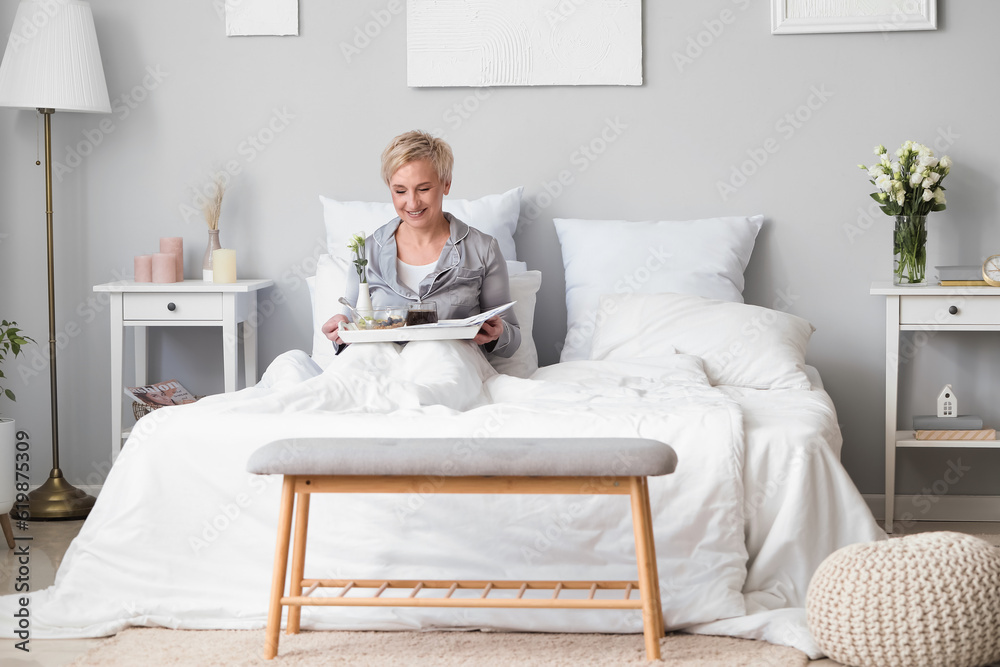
(213,207)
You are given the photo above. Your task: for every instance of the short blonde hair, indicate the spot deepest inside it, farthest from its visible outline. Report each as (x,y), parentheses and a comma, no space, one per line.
(417,145)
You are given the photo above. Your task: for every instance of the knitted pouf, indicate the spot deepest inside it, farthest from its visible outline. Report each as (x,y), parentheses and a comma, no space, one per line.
(926,600)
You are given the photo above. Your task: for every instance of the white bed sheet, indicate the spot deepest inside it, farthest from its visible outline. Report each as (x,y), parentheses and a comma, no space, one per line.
(182,537)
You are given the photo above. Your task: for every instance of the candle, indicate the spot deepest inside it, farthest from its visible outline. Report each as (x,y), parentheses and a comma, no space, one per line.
(143,268)
(175,244)
(164,267)
(224,266)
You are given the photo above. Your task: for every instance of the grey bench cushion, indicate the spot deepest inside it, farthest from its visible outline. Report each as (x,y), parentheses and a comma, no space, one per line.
(456,457)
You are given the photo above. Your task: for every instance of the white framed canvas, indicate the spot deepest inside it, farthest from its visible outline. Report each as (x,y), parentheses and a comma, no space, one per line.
(262,17)
(523,42)
(812,16)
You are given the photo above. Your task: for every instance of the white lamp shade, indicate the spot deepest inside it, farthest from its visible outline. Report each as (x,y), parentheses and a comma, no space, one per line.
(52,59)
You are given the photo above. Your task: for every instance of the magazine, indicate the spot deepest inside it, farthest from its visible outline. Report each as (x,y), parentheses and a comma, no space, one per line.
(170,392)
(468,321)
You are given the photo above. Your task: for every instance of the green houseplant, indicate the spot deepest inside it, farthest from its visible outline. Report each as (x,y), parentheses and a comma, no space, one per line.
(11,341)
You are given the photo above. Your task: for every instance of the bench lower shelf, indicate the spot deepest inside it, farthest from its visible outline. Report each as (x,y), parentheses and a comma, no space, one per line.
(416,586)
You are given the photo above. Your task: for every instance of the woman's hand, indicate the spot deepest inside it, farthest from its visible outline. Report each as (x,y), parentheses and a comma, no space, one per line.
(490,331)
(332,328)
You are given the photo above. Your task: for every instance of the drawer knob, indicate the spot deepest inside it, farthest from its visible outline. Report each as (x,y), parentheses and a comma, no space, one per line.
(951,309)
(172,307)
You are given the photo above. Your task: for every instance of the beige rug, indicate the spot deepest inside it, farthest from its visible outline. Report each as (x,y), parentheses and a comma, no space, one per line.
(238,648)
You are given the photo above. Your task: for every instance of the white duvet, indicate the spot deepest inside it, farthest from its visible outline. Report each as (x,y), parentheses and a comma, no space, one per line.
(183,537)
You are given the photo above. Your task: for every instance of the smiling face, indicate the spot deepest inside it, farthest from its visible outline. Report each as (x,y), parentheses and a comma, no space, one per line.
(417,194)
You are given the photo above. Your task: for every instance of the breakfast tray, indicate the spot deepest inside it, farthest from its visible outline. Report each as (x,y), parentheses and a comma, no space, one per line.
(349,333)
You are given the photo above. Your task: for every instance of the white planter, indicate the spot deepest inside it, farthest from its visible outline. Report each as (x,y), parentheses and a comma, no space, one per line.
(8,441)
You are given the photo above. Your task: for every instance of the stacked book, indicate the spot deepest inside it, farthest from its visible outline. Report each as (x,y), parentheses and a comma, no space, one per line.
(961,276)
(962,427)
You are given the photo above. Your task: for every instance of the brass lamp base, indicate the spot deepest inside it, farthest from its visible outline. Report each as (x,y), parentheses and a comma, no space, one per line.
(57,500)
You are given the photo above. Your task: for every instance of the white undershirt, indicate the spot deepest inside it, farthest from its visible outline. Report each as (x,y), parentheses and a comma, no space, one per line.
(410,275)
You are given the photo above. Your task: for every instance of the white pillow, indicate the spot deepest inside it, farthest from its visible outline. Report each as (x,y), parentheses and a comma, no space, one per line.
(495,215)
(741,345)
(331,284)
(703,257)
(524,361)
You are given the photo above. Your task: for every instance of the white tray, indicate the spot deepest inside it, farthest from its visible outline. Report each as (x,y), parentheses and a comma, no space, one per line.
(349,333)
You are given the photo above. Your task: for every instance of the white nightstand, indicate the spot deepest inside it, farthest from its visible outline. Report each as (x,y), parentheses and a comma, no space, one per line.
(930,308)
(192,303)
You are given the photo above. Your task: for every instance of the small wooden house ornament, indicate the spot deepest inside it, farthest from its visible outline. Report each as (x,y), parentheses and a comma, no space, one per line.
(947,404)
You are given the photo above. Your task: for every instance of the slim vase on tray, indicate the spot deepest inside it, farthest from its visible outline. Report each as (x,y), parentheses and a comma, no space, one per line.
(364,306)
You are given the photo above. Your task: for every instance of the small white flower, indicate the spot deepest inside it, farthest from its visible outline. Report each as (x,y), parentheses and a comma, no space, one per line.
(900,197)
(875,171)
(928,195)
(928,161)
(879,149)
(915,178)
(883,182)
(923,151)
(945,162)
(939,197)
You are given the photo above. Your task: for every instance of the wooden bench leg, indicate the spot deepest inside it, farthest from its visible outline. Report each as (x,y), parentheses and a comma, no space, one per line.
(298,559)
(660,630)
(8,532)
(645,556)
(280,565)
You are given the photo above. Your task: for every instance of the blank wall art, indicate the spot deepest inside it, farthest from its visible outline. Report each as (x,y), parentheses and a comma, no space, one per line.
(262,17)
(524,42)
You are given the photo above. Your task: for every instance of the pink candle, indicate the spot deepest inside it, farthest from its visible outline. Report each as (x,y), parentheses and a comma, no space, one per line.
(164,267)
(175,244)
(143,268)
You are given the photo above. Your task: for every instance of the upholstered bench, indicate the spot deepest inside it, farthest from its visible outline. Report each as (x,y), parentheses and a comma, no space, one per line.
(502,465)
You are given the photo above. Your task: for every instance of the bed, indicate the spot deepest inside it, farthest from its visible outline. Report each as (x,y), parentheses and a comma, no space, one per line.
(182,536)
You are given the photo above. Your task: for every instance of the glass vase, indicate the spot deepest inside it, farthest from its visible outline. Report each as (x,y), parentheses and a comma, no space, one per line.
(909,250)
(206,262)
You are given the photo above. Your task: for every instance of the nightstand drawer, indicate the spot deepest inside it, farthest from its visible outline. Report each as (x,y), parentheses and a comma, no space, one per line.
(949,310)
(171,306)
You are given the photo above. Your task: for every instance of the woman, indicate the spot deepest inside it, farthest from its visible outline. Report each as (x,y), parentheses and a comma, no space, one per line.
(426,254)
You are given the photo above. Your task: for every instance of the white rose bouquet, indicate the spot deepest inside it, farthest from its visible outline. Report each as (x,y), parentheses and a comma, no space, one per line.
(909,188)
(911,184)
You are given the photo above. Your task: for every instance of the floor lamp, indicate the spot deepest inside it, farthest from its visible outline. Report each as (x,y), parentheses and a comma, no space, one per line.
(52,63)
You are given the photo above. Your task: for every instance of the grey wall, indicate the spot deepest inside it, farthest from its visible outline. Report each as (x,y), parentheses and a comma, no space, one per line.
(685,130)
